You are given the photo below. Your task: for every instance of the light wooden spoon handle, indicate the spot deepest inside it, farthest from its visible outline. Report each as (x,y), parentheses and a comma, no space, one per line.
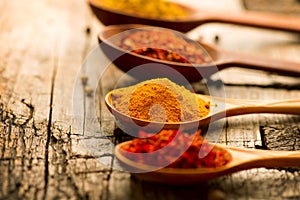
(252,158)
(280,107)
(260,20)
(282,67)
(221,108)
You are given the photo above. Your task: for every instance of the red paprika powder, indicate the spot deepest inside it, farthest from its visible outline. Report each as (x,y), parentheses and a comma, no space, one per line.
(164,45)
(210,156)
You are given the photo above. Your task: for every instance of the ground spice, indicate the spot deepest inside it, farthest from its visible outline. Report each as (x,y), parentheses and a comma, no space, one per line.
(164,45)
(159,100)
(154,9)
(212,156)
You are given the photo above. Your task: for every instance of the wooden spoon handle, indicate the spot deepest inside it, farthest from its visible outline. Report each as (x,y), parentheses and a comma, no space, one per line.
(281,67)
(280,107)
(260,20)
(252,158)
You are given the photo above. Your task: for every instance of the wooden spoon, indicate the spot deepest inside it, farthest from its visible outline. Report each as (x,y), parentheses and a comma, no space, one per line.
(242,159)
(198,17)
(220,108)
(221,59)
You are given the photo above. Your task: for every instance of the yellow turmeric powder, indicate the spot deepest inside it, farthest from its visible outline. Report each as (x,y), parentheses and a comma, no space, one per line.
(159,100)
(154,8)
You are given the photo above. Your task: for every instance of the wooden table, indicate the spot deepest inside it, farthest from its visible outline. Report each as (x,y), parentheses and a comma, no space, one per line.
(48,152)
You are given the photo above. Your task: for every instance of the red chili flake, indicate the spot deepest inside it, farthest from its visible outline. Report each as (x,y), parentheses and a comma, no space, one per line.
(211,156)
(164,45)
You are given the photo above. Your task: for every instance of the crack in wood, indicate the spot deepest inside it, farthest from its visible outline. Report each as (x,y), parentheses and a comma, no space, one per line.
(13,129)
(49,129)
(61,144)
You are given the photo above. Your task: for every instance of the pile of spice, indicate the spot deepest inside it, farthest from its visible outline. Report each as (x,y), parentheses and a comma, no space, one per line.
(163,44)
(160,100)
(154,9)
(209,156)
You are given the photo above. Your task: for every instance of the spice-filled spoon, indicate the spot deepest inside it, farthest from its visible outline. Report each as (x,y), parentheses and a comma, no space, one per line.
(194,18)
(242,159)
(111,38)
(219,108)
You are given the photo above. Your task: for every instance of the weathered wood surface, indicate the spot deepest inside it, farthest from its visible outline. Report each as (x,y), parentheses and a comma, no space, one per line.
(47,153)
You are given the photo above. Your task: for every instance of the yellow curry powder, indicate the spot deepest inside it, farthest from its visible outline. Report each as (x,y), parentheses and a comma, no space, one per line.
(154,8)
(159,100)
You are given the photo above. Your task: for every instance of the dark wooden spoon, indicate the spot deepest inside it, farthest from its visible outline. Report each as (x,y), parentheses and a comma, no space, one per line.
(221,59)
(198,17)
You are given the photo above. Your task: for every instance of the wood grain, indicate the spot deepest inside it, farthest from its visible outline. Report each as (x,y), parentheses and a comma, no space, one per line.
(46,154)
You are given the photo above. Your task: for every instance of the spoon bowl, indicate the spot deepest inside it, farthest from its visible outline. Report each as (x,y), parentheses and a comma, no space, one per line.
(221,59)
(127,61)
(198,17)
(219,108)
(114,17)
(242,159)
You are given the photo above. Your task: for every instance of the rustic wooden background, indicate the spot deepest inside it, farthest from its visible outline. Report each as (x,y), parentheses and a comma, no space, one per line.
(48,153)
